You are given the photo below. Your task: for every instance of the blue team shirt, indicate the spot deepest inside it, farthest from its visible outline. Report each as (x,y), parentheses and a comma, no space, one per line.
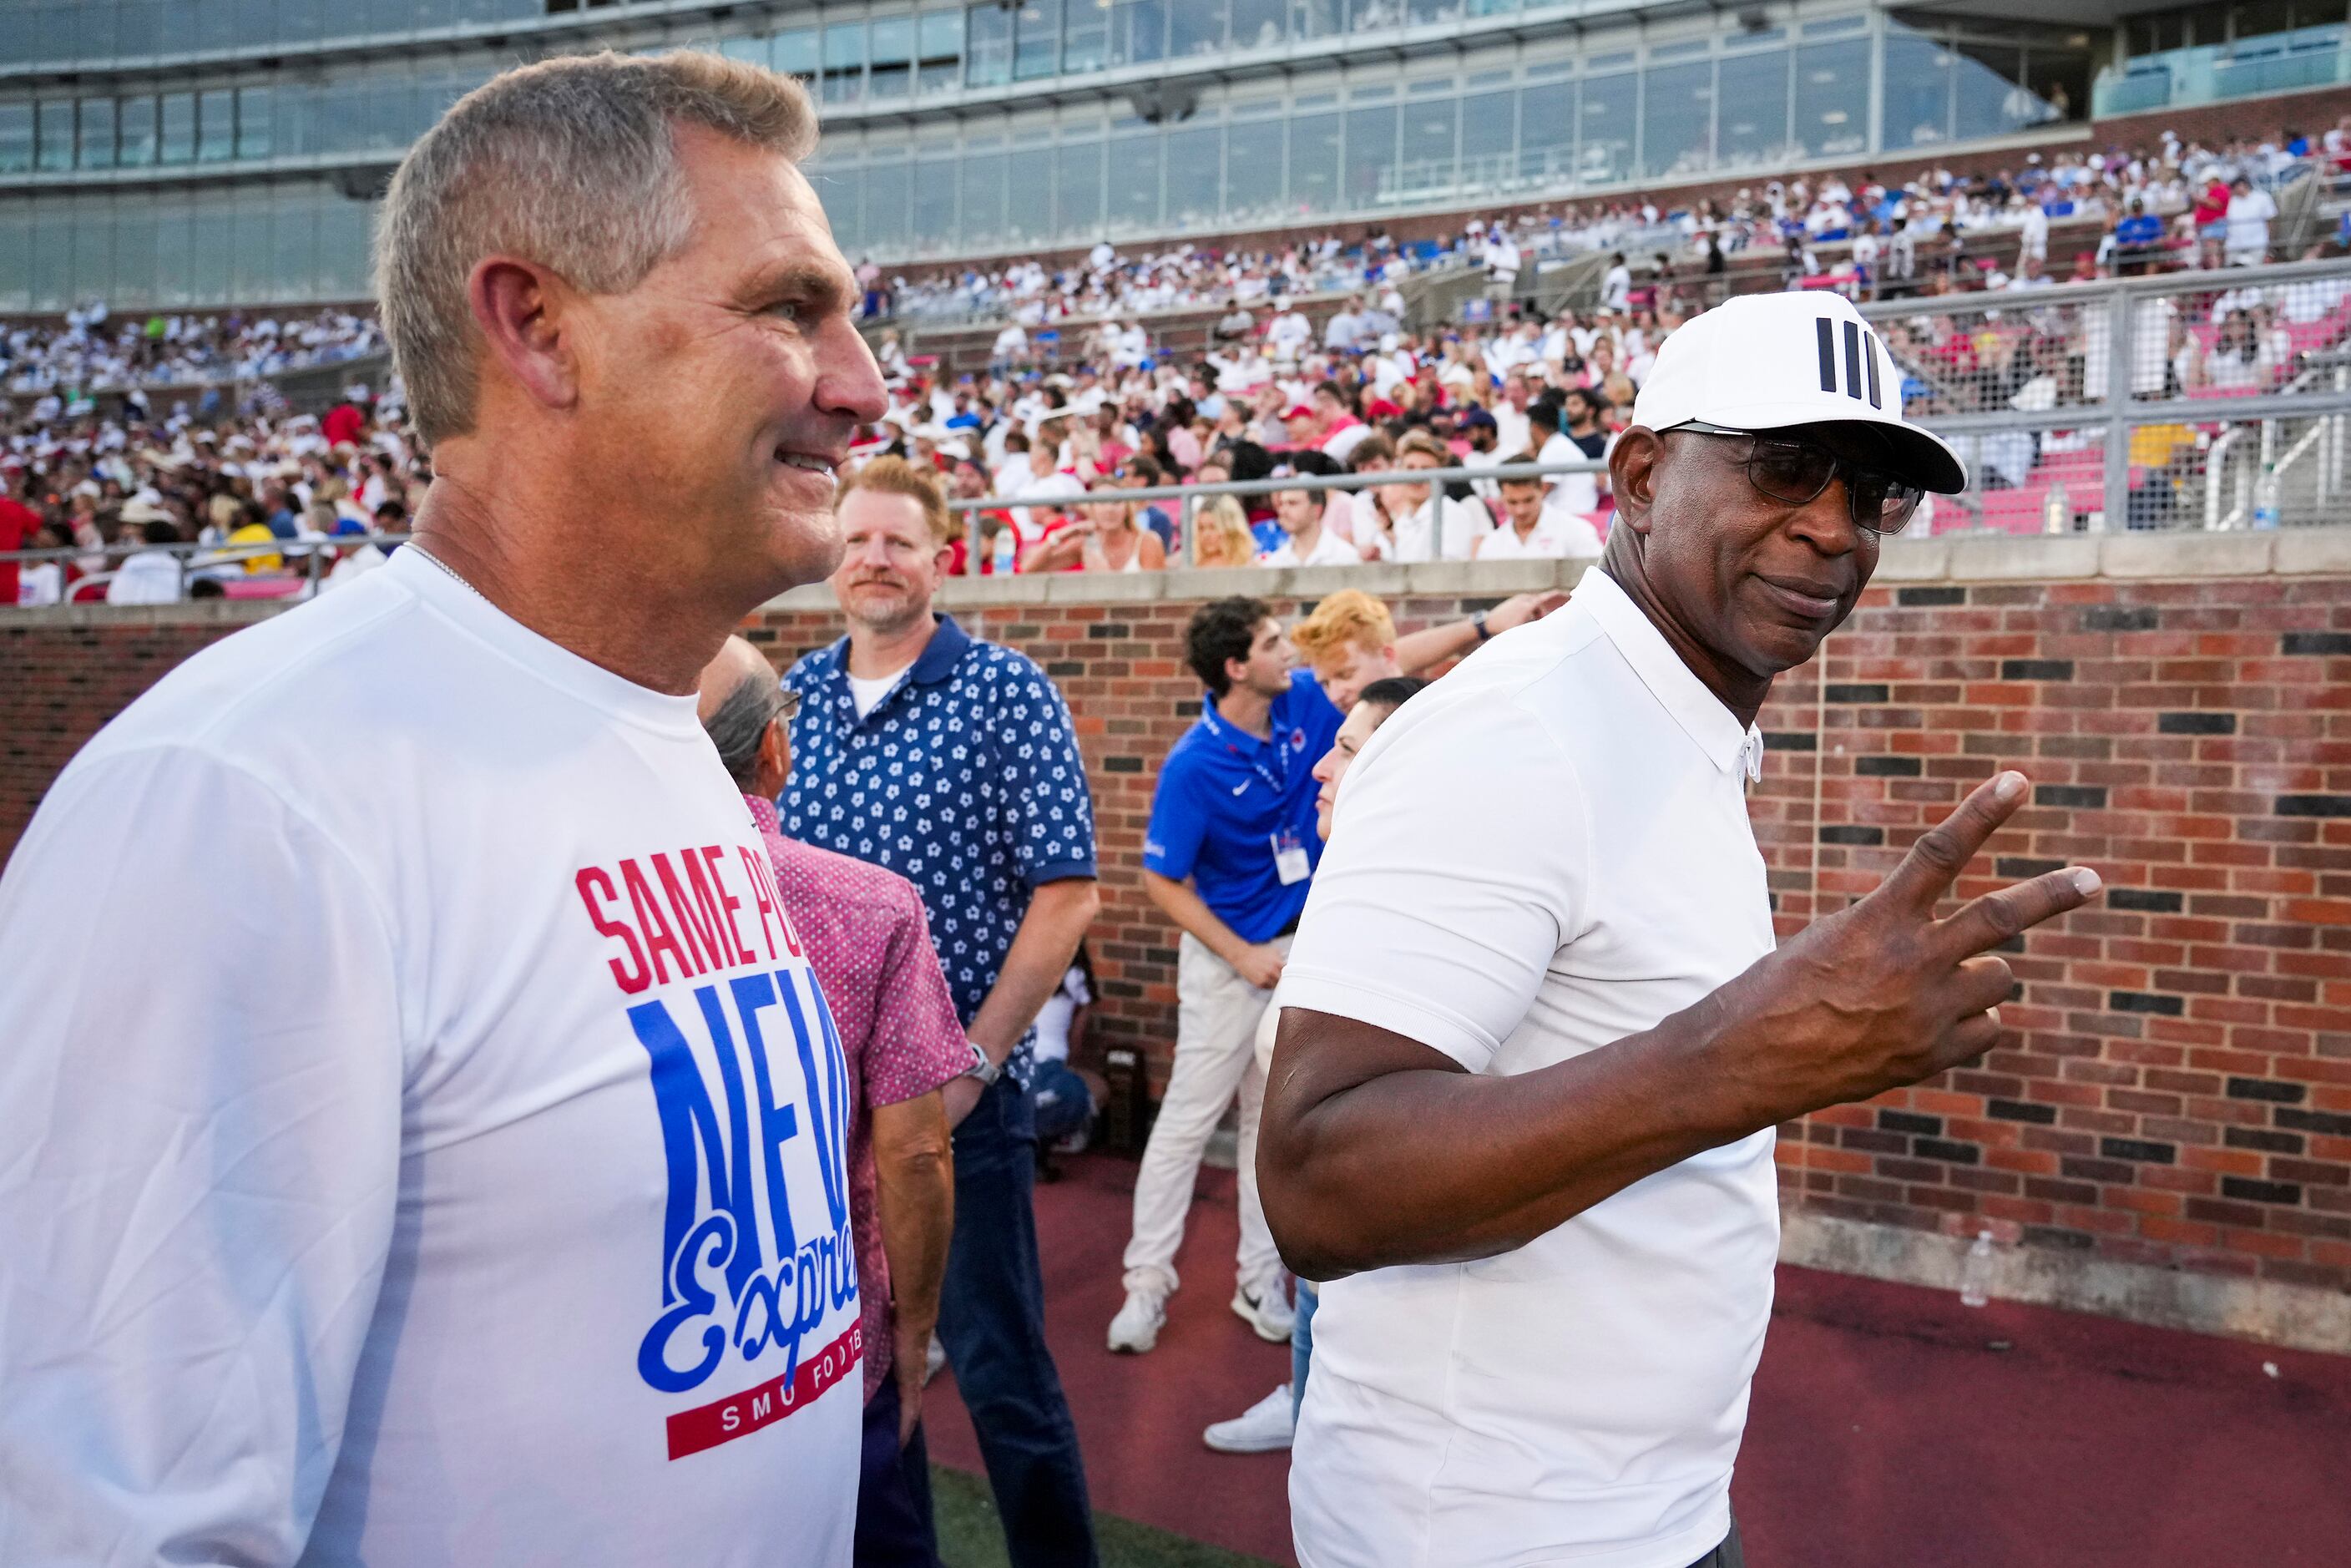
(2139,228)
(1225,800)
(965,780)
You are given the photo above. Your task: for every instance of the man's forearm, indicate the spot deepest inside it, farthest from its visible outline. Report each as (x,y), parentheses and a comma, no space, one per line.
(1416,651)
(1468,1166)
(1059,914)
(915,1200)
(1178,901)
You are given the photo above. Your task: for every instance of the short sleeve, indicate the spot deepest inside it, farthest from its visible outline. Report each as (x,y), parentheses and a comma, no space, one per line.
(917,1043)
(200,1136)
(1458,865)
(1171,845)
(1053,813)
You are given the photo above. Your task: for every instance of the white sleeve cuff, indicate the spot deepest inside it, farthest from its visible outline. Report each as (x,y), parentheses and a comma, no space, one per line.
(1438,1029)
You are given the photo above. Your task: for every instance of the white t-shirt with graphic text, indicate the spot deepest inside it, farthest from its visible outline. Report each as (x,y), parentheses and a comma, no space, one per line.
(420,1132)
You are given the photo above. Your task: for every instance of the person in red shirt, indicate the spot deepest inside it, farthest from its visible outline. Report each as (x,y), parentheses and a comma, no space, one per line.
(19,523)
(870,942)
(344,424)
(2211,219)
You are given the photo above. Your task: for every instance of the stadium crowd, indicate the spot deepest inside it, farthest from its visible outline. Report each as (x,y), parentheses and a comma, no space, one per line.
(94,352)
(265,494)
(1064,406)
(2160,197)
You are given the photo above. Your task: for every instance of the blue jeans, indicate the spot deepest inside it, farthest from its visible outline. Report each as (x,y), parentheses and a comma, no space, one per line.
(992,1323)
(1302,1346)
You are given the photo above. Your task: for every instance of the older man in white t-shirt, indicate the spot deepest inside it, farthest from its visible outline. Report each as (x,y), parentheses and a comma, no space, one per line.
(440,1161)
(1530,1060)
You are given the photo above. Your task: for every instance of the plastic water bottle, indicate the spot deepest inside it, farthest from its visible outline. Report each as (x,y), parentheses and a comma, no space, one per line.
(2265,498)
(1975,1276)
(2057,510)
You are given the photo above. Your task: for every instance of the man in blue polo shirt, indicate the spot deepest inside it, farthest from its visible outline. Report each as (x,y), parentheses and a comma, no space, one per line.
(953,762)
(1227,858)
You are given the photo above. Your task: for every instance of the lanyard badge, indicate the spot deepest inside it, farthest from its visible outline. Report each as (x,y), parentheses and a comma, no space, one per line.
(1289,861)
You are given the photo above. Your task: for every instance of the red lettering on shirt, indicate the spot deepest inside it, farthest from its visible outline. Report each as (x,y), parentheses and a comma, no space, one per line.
(701,941)
(761,898)
(766,874)
(635,977)
(711,855)
(658,937)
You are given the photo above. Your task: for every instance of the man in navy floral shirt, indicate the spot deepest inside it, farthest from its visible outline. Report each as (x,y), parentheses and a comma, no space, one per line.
(953,762)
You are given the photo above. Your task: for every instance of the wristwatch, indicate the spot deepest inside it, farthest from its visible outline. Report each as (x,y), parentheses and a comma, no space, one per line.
(1478,624)
(981,1067)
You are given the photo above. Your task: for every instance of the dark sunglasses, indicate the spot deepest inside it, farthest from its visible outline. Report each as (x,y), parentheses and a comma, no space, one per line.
(1796,472)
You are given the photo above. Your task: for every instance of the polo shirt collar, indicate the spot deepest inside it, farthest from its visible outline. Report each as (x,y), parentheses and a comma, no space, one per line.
(940,654)
(1732,748)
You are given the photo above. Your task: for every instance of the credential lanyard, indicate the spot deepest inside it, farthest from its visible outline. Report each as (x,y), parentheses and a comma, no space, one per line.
(1278,782)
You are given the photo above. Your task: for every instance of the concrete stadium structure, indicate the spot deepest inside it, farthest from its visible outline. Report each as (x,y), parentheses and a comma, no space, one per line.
(207,152)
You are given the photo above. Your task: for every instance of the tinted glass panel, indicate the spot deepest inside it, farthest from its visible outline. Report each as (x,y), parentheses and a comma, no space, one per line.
(1028,197)
(254,116)
(217,126)
(988,46)
(1753,127)
(1195,170)
(1676,120)
(1313,164)
(1370,157)
(56,134)
(1490,138)
(1253,158)
(1134,183)
(1037,38)
(135,132)
(1604,154)
(886,186)
(16,138)
(1078,190)
(97,133)
(1138,32)
(1196,26)
(983,198)
(1917,90)
(1833,99)
(178,142)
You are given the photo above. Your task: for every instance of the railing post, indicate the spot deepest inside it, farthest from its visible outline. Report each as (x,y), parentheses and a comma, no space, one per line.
(2122,368)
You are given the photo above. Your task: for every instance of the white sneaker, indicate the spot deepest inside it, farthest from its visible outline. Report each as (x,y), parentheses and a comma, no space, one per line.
(1267,1310)
(1136,1327)
(1263,1427)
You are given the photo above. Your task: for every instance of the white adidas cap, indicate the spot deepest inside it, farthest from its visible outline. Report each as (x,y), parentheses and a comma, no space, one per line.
(1766,362)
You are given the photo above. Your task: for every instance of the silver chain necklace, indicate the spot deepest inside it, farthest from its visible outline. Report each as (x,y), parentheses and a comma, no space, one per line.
(449,571)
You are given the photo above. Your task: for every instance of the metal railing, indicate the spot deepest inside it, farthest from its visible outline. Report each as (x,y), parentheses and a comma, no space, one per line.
(198,561)
(2201,352)
(1190,495)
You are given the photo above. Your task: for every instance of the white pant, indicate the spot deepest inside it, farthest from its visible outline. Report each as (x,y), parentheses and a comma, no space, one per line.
(1217,1018)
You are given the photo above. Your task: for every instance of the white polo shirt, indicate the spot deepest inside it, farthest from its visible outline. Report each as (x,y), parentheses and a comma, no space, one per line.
(1545,852)
(1555,536)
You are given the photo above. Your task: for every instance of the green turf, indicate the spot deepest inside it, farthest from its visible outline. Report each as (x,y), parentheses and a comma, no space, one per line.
(970,1536)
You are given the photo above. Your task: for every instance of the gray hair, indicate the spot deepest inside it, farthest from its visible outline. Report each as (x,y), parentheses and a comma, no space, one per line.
(741,723)
(570,163)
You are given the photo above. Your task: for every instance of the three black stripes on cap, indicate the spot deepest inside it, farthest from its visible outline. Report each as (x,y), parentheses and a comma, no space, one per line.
(1854,359)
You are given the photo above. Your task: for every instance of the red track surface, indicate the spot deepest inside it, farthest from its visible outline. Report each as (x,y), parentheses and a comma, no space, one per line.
(1885,1432)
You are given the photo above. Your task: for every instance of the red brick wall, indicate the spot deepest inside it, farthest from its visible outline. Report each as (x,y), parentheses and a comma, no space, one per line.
(58,681)
(2176,1089)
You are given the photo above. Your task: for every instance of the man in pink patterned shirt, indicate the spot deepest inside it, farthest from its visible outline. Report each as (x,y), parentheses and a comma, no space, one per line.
(869,944)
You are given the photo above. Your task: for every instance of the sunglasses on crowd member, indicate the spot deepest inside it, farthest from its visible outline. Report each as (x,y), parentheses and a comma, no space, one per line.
(1795,472)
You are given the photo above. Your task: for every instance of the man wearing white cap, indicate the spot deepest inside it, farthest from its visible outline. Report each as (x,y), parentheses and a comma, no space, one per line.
(1532,1056)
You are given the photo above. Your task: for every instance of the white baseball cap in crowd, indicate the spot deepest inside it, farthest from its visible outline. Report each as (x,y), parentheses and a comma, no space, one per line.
(1767,362)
